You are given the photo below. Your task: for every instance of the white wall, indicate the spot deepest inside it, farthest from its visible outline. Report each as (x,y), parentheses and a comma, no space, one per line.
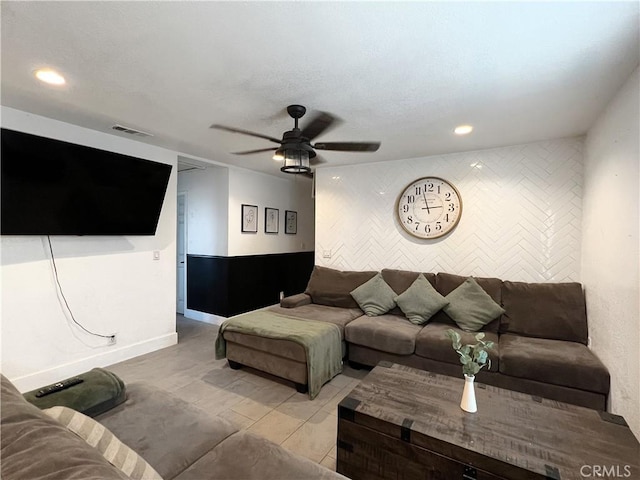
(521,216)
(247,187)
(611,259)
(113,285)
(207,206)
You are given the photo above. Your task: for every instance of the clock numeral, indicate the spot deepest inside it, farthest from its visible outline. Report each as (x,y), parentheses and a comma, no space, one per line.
(418,190)
(452,207)
(438,226)
(409,219)
(446,218)
(427,228)
(418,226)
(411,198)
(405,208)
(447,196)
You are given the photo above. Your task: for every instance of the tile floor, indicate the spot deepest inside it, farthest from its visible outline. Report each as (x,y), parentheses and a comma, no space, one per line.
(255,401)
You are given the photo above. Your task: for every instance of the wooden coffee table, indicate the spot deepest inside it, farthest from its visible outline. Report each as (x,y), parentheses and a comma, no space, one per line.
(403,423)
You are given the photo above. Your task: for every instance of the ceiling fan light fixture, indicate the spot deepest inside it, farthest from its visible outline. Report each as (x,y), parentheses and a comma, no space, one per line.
(296,161)
(278,155)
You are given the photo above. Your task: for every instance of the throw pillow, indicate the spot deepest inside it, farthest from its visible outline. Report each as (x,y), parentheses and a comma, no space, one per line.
(375,297)
(471,307)
(420,301)
(113,450)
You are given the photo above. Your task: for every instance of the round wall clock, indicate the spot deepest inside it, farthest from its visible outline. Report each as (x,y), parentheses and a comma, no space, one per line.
(429,207)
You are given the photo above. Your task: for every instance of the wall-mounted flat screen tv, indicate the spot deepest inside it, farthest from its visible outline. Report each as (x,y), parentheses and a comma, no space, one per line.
(51,187)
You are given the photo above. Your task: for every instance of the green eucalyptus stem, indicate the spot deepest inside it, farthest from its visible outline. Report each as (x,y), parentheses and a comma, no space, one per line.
(473,357)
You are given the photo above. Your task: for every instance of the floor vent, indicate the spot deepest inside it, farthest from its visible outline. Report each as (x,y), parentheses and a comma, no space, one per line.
(131,131)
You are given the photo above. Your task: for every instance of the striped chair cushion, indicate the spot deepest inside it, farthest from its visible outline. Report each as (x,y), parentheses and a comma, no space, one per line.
(113,450)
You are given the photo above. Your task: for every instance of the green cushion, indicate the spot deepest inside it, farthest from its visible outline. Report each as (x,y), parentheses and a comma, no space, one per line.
(471,307)
(420,301)
(101,390)
(375,297)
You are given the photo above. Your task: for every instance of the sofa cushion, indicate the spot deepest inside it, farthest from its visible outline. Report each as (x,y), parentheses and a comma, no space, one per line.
(546,310)
(400,280)
(155,424)
(333,287)
(294,301)
(433,343)
(35,446)
(447,283)
(388,333)
(322,313)
(374,296)
(558,362)
(112,449)
(264,460)
(471,307)
(420,301)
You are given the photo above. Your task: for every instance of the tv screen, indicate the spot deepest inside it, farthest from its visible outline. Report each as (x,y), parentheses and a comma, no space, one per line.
(51,187)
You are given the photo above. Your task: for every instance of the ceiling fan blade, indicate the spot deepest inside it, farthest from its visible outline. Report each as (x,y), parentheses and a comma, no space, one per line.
(248,152)
(348,146)
(244,132)
(317,125)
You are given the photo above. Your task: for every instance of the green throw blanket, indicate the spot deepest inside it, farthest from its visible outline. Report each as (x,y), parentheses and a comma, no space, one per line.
(321,341)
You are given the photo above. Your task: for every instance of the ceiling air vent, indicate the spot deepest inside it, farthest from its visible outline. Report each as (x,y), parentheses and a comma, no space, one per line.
(131,131)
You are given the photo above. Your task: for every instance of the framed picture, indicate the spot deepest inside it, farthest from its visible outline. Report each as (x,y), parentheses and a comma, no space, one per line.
(249,218)
(290,222)
(271,220)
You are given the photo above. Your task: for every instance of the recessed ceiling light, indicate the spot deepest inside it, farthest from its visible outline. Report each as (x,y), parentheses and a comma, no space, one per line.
(463,129)
(49,76)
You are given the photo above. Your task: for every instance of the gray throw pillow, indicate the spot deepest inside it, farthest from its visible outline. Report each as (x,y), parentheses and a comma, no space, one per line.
(374,297)
(471,307)
(420,301)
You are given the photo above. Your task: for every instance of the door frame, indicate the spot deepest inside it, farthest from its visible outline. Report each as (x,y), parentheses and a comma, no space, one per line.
(185,237)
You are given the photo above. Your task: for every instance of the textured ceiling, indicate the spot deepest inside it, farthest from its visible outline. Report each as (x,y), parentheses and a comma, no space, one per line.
(404,74)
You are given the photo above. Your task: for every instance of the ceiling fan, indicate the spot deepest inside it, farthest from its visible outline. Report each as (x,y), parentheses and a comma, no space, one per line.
(295,148)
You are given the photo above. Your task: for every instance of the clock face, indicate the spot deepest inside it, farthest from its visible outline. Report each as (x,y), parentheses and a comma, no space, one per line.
(430,207)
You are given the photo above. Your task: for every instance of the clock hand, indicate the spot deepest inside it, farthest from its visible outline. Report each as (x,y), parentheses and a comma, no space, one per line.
(426,203)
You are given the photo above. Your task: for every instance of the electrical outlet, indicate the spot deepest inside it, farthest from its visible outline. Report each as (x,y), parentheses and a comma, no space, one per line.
(156,254)
(112,339)
(326,254)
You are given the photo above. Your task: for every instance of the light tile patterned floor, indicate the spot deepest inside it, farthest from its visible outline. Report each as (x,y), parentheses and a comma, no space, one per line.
(258,402)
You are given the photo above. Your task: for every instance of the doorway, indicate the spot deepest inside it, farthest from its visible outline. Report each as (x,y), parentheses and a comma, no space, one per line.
(181,254)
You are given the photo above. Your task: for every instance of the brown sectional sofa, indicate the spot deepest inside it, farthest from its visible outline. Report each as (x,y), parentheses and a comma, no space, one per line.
(177,439)
(541,339)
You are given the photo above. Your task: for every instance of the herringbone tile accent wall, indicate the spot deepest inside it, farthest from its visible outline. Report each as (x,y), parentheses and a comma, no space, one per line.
(521,217)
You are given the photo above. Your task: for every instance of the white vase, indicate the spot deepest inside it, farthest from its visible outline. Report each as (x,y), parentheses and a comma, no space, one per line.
(468,402)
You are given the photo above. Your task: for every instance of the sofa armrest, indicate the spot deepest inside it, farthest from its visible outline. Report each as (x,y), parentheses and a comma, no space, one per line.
(295,300)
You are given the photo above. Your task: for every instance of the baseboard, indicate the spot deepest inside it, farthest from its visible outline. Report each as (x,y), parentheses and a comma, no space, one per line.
(103,359)
(203,317)
(214,319)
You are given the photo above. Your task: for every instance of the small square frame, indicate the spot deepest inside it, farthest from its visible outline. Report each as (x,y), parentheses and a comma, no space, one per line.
(249,220)
(271,220)
(290,222)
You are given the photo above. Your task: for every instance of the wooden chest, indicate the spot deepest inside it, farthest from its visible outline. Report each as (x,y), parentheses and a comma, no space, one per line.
(401,423)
